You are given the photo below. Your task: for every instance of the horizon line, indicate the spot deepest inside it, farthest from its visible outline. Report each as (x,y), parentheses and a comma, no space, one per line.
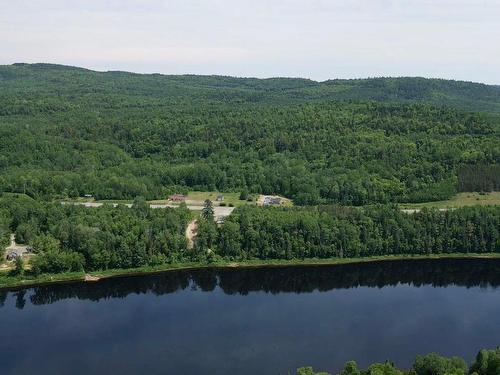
(248,77)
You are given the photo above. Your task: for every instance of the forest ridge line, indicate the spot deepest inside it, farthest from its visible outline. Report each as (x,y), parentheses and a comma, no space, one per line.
(243,77)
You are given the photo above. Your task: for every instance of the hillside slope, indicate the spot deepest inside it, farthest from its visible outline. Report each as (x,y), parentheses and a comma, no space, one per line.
(42,79)
(68,132)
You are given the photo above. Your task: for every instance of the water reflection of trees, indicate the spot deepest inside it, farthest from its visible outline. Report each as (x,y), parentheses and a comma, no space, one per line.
(466,273)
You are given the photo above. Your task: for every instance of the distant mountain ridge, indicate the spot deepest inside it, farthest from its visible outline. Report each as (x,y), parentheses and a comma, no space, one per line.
(39,79)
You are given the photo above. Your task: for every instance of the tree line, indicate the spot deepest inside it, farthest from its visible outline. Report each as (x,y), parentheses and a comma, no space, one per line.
(75,238)
(337,231)
(487,362)
(483,178)
(242,281)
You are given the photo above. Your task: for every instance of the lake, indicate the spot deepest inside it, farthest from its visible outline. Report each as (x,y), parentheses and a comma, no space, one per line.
(253,321)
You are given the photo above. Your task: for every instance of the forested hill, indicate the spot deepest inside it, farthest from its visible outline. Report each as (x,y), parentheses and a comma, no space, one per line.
(48,79)
(69,132)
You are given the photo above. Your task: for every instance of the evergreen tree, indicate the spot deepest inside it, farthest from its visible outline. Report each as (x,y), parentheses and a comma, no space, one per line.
(207,212)
(19,266)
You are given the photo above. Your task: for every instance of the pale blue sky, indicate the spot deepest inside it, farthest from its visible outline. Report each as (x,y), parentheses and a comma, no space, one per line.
(316,39)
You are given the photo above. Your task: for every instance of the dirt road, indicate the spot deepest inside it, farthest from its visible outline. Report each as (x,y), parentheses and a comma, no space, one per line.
(191,231)
(219,211)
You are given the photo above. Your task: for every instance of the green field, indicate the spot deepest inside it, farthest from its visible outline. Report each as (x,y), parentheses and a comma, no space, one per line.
(229,198)
(460,200)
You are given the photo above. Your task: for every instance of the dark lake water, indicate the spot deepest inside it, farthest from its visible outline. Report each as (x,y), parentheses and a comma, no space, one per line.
(254,321)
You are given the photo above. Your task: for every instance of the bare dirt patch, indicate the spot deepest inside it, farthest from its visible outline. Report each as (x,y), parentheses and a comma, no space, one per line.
(90,278)
(191,232)
(261,200)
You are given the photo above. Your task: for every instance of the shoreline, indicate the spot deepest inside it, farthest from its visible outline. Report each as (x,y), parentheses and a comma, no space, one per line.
(12,283)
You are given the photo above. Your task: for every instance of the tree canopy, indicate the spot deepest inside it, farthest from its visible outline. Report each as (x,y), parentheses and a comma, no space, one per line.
(69,132)
(487,363)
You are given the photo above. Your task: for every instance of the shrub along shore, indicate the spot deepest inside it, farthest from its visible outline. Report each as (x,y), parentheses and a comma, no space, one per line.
(27,279)
(487,362)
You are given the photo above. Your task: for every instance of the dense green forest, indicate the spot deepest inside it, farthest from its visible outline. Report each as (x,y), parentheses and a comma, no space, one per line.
(487,362)
(67,132)
(73,238)
(336,231)
(330,146)
(76,238)
(479,178)
(106,89)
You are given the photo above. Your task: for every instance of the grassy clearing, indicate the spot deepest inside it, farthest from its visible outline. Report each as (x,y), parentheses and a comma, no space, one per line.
(8,281)
(233,198)
(461,200)
(195,198)
(13,282)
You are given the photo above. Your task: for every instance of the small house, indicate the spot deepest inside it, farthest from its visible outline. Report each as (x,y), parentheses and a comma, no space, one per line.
(177,198)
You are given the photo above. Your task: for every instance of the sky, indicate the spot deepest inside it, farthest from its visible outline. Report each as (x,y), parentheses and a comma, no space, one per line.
(317,39)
